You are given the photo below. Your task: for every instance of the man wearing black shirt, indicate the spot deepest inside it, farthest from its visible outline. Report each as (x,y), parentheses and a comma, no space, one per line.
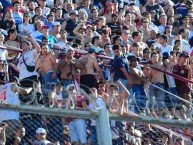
(114,24)
(8,22)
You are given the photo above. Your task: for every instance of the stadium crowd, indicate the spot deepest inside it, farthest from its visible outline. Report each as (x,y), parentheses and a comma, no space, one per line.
(129,56)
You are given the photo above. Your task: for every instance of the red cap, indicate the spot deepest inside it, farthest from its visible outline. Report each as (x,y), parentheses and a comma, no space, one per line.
(45,27)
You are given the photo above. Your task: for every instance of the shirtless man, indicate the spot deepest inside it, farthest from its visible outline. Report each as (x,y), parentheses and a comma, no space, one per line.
(47,65)
(12,33)
(128,24)
(69,67)
(118,102)
(156,78)
(87,78)
(138,83)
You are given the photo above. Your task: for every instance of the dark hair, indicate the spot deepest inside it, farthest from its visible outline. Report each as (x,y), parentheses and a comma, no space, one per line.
(106,45)
(100,82)
(116,38)
(94,38)
(44,38)
(164,37)
(153,54)
(11,31)
(115,47)
(135,34)
(181,31)
(74,45)
(37,8)
(104,32)
(16,2)
(135,44)
(176,41)
(114,15)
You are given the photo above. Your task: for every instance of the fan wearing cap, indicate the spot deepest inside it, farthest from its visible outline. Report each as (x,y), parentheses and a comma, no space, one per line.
(56,30)
(29,55)
(139,79)
(69,67)
(10,95)
(183,69)
(71,23)
(46,33)
(41,137)
(47,65)
(50,21)
(87,77)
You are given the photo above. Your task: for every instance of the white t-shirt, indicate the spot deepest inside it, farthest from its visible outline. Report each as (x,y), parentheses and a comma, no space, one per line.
(92,108)
(30,59)
(186,46)
(29,28)
(167,49)
(7,96)
(3,53)
(46,11)
(34,34)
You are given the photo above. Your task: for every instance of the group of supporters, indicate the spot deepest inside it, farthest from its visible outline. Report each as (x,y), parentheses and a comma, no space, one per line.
(132,57)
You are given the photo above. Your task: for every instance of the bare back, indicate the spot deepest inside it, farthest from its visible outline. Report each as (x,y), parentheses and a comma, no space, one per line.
(88,62)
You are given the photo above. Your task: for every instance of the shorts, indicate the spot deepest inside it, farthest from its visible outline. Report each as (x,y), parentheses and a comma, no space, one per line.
(87,82)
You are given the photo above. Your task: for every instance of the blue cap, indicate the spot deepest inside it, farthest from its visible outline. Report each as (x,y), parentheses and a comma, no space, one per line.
(91,50)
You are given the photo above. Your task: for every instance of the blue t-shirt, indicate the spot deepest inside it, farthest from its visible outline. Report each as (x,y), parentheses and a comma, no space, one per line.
(51,39)
(6,3)
(18,18)
(120,62)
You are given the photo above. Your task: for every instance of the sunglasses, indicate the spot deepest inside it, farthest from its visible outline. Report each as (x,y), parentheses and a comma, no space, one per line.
(42,133)
(27,16)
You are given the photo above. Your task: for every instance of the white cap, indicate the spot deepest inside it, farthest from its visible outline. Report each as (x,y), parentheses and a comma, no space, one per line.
(40,130)
(56,23)
(69,86)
